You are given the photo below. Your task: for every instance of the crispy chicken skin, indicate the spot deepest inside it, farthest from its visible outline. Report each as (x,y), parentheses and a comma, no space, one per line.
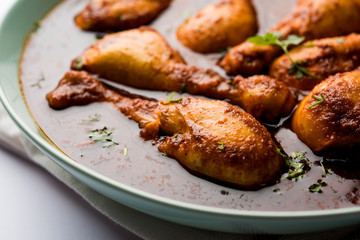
(142,58)
(211,138)
(310,19)
(263,97)
(116,15)
(335,121)
(139,58)
(216,139)
(323,57)
(219,26)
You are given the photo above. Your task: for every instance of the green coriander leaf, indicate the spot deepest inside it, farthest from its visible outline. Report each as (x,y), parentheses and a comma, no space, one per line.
(79,64)
(315,188)
(293,40)
(183,88)
(310,44)
(95,118)
(278,191)
(320,99)
(297,163)
(36,27)
(299,74)
(281,152)
(339,40)
(299,155)
(102,135)
(126,151)
(172,100)
(273,39)
(38,83)
(220,145)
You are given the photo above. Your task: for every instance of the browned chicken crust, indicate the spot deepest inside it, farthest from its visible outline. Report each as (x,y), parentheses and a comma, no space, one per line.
(80,88)
(214,138)
(310,19)
(322,58)
(263,97)
(211,138)
(219,26)
(142,58)
(116,15)
(335,121)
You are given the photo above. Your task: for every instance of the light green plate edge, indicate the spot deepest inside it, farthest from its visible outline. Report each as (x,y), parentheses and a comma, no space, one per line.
(13,31)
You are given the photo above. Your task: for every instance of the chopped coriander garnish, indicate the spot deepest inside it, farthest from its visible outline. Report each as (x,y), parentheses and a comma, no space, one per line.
(99,35)
(126,151)
(278,191)
(220,145)
(316,187)
(297,163)
(175,135)
(273,39)
(95,118)
(183,88)
(224,51)
(339,40)
(164,154)
(172,100)
(310,44)
(35,27)
(299,155)
(78,64)
(102,135)
(37,84)
(319,100)
(186,16)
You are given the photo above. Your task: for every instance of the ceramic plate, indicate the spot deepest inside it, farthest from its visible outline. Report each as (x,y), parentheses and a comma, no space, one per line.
(13,31)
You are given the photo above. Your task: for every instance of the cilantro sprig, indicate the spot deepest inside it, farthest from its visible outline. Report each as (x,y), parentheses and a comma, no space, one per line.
(102,135)
(320,99)
(221,145)
(38,83)
(171,100)
(274,39)
(95,118)
(316,187)
(298,165)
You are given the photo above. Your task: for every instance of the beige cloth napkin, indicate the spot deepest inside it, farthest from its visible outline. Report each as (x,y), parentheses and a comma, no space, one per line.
(141,224)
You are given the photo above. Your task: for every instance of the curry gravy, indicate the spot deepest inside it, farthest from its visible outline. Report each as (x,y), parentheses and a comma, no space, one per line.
(48,55)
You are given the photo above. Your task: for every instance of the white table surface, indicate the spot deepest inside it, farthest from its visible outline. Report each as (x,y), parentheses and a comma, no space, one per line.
(34,205)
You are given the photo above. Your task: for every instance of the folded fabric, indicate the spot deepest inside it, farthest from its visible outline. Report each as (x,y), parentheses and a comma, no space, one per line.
(141,224)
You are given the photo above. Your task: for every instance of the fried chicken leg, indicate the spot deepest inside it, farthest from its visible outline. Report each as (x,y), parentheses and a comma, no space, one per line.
(143,59)
(330,115)
(219,26)
(210,138)
(310,19)
(116,15)
(322,58)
